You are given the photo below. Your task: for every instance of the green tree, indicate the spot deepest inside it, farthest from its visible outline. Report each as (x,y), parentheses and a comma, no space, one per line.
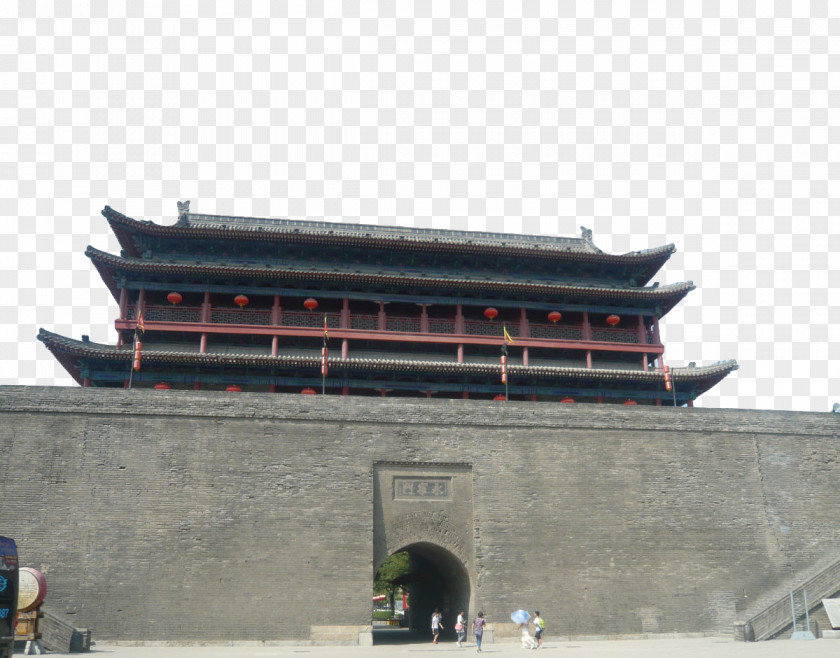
(395,566)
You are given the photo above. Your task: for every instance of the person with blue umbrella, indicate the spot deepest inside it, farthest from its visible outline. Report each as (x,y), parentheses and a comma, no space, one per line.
(521,617)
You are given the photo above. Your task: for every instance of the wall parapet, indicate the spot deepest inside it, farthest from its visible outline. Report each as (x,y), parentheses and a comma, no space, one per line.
(402,411)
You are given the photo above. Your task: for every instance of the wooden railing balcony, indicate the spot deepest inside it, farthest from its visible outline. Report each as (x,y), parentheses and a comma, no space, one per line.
(371,323)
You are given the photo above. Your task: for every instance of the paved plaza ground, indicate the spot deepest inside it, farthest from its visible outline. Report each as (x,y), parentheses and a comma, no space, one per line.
(707,647)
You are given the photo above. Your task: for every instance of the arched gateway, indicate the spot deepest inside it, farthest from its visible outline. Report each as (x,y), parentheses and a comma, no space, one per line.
(426,510)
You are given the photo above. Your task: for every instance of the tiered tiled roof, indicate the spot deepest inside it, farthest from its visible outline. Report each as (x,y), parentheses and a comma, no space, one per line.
(197,226)
(665,297)
(67,349)
(411,308)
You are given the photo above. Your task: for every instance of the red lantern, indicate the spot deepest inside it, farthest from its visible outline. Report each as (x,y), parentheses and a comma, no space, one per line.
(308,391)
(555,316)
(490,313)
(613,320)
(568,400)
(504,369)
(667,371)
(629,403)
(233,388)
(499,398)
(310,304)
(162,386)
(241,301)
(138,354)
(174,298)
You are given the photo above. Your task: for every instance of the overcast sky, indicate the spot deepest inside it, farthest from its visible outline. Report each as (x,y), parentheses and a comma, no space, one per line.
(713,126)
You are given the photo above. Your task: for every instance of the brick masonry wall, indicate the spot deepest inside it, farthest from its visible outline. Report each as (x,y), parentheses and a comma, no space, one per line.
(193,516)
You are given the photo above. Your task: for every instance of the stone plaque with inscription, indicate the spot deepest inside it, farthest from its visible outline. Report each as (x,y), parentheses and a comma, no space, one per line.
(422,488)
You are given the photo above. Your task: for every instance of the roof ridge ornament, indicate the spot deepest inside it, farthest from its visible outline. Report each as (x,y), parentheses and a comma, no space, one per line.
(586,236)
(183,211)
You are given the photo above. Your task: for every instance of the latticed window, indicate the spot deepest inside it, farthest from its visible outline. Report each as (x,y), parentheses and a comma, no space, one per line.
(168,313)
(439,326)
(367,322)
(411,325)
(556,332)
(615,335)
(479,328)
(303,319)
(240,316)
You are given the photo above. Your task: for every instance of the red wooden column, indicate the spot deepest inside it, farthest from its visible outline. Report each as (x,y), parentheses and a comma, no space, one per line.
(276,320)
(524,332)
(276,312)
(344,317)
(465,395)
(205,308)
(381,322)
(345,390)
(587,335)
(197,386)
(642,332)
(460,327)
(461,353)
(123,303)
(86,382)
(123,311)
(587,328)
(424,320)
(205,318)
(524,326)
(344,322)
(656,338)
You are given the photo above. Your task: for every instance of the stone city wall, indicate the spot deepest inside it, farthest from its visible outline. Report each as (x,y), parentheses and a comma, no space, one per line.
(203,516)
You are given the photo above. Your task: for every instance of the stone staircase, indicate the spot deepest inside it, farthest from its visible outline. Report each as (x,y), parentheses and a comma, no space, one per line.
(59,634)
(771,614)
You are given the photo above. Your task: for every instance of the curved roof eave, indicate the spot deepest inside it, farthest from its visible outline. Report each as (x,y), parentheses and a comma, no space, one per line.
(71,347)
(386,237)
(107,264)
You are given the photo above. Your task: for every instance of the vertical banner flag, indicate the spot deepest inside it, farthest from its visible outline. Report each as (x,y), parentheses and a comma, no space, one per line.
(508,339)
(324,351)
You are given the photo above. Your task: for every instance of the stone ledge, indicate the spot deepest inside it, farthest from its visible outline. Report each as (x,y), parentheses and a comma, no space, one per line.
(402,411)
(340,634)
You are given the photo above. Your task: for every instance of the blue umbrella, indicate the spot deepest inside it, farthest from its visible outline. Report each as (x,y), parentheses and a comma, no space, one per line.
(520,616)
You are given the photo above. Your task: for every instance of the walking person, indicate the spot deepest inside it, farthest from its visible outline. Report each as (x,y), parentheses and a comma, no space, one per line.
(539,626)
(527,641)
(478,630)
(436,625)
(459,628)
